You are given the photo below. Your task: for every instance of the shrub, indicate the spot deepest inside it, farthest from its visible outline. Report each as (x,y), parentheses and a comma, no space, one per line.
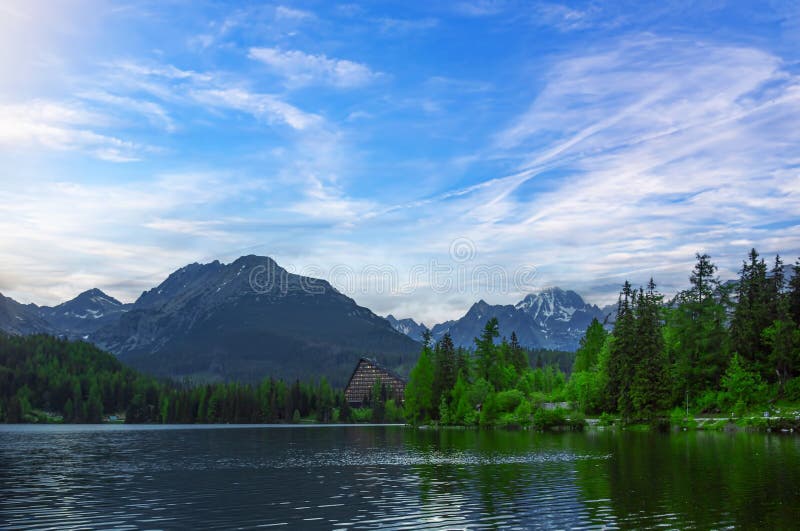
(544,419)
(508,401)
(523,413)
(740,409)
(393,412)
(791,390)
(577,421)
(606,419)
(708,401)
(741,385)
(362,414)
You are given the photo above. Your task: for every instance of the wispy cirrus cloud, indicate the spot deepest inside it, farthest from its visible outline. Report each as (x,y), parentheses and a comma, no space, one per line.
(292,13)
(662,147)
(203,89)
(266,106)
(300,69)
(64,126)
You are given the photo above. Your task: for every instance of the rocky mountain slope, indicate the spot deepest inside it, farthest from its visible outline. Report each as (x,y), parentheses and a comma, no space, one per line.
(83,315)
(247,320)
(552,319)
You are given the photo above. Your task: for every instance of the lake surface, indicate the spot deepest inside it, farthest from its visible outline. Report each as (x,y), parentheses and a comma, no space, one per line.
(392,477)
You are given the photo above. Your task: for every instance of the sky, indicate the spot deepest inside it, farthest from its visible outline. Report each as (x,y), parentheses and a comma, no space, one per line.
(420,156)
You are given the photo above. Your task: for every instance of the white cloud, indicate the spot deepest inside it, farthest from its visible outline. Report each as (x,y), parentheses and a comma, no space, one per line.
(323,201)
(663,147)
(186,87)
(264,106)
(402,26)
(64,127)
(155,113)
(292,13)
(482,8)
(301,69)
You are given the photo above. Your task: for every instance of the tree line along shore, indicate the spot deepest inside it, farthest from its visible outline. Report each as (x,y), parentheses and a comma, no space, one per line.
(715,352)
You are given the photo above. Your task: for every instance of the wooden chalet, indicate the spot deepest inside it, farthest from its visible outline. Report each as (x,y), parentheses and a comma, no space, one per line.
(364,376)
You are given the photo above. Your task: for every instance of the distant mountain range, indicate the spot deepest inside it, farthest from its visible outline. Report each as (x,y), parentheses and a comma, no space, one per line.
(85,314)
(408,327)
(552,319)
(207,322)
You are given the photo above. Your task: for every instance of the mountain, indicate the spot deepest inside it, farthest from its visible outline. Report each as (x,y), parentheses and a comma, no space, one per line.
(552,319)
(83,315)
(21,319)
(407,326)
(247,320)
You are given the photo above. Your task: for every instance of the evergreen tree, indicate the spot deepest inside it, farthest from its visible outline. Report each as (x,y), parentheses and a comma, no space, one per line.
(419,404)
(650,389)
(591,343)
(696,334)
(622,356)
(377,401)
(753,314)
(517,355)
(783,339)
(485,351)
(794,293)
(445,371)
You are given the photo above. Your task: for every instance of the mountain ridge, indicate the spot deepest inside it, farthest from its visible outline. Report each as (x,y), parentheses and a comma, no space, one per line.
(217,321)
(553,318)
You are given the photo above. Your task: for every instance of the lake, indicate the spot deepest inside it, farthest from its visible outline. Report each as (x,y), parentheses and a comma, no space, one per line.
(392,477)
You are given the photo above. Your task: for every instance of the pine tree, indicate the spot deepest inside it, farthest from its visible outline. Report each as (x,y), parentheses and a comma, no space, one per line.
(776,286)
(650,389)
(517,355)
(590,346)
(783,337)
(696,335)
(377,401)
(703,279)
(485,351)
(794,293)
(419,405)
(753,314)
(621,360)
(445,371)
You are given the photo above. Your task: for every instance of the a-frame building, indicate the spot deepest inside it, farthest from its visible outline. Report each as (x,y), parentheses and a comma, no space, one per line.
(364,376)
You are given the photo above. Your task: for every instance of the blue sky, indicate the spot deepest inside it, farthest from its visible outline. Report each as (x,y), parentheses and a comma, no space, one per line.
(514,145)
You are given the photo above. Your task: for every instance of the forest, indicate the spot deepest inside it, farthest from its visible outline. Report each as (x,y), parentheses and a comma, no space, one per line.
(46,379)
(715,348)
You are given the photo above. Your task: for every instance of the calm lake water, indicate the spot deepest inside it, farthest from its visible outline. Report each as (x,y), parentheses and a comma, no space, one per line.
(392,477)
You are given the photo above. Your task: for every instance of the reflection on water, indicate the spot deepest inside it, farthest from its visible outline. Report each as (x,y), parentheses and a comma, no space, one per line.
(395,477)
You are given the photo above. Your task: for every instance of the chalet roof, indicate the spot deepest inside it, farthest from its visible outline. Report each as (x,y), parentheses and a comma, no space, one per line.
(377,365)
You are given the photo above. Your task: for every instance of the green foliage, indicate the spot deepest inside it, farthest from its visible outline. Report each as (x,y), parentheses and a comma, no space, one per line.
(393,412)
(741,388)
(485,351)
(494,387)
(637,368)
(547,419)
(662,356)
(80,383)
(679,419)
(606,419)
(361,414)
(753,314)
(507,401)
(419,404)
(783,339)
(587,356)
(650,388)
(695,334)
